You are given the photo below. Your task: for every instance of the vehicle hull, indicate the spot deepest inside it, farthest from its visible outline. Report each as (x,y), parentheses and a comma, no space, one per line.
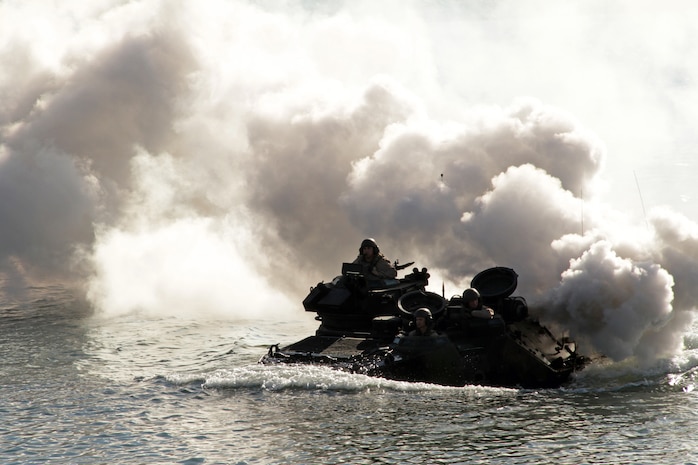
(366,330)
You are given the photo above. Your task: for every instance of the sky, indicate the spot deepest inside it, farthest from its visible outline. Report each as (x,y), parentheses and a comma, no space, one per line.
(220,158)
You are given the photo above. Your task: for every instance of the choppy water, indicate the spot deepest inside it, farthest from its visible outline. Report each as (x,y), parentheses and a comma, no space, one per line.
(78,389)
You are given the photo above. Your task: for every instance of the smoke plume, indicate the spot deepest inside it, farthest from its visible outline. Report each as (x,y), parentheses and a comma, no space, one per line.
(223,157)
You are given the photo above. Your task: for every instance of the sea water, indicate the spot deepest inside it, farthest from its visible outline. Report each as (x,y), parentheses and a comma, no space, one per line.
(82,389)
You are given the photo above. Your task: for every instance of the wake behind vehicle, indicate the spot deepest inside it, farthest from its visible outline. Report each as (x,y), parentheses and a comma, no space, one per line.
(365,323)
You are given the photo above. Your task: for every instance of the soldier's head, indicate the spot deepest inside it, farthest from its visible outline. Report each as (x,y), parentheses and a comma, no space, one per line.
(422,318)
(471,298)
(369,248)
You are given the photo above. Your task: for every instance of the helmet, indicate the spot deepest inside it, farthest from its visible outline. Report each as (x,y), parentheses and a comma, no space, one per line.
(370,242)
(422,313)
(470,294)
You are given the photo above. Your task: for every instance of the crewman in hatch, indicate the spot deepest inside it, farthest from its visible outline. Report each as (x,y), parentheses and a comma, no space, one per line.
(423,322)
(375,265)
(473,303)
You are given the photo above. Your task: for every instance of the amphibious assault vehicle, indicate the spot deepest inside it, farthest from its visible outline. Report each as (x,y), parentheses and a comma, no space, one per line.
(365,325)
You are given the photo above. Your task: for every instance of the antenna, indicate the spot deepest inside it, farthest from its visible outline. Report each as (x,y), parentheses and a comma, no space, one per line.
(642,202)
(582,199)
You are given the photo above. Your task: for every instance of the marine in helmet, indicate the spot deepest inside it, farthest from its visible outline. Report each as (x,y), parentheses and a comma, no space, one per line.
(375,265)
(473,303)
(423,323)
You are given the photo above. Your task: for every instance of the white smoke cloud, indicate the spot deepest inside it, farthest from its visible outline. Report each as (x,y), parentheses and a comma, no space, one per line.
(476,188)
(615,302)
(166,257)
(180,158)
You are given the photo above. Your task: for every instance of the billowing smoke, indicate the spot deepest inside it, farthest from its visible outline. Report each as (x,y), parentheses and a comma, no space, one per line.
(221,158)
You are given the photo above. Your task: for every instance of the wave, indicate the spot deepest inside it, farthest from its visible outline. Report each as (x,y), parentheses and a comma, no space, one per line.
(313,378)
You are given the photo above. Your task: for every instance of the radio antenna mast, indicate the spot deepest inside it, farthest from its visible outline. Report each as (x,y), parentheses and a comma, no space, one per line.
(642,202)
(582,199)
